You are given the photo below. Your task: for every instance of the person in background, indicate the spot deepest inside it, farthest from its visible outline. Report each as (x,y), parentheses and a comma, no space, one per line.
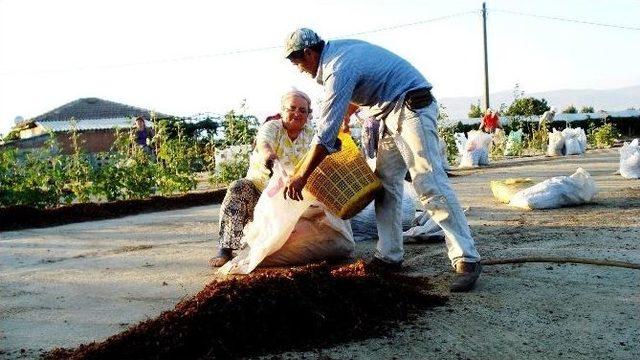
(369,76)
(547,118)
(287,139)
(490,121)
(143,133)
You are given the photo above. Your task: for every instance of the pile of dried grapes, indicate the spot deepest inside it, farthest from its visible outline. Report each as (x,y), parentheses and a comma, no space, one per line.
(272,310)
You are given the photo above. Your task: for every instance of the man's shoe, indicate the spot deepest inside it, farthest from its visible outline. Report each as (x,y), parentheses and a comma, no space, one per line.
(224,255)
(381,266)
(466,275)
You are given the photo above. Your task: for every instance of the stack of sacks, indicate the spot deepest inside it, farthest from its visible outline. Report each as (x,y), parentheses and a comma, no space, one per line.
(476,150)
(514,143)
(556,192)
(575,141)
(630,160)
(556,143)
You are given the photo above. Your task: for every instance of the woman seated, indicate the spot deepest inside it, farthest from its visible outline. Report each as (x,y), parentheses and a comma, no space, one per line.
(286,140)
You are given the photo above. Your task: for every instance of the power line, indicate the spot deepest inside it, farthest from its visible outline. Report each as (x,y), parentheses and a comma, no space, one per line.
(567,20)
(240,51)
(394,27)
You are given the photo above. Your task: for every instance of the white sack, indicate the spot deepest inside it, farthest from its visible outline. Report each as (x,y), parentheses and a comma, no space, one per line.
(556,143)
(274,220)
(414,225)
(424,228)
(556,192)
(575,141)
(314,238)
(514,143)
(630,160)
(476,149)
(461,142)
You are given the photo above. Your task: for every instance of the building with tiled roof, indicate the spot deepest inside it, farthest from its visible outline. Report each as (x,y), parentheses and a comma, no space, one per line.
(96,121)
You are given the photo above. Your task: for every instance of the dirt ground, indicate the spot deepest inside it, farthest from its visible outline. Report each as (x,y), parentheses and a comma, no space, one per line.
(71,284)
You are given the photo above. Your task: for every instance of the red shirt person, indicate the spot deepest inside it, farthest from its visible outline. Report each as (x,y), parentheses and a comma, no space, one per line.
(490,121)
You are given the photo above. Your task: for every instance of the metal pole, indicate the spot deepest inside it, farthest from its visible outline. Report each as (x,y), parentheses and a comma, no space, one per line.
(486,61)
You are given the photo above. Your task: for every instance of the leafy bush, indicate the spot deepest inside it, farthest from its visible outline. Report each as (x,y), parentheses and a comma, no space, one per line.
(570,110)
(78,170)
(446,134)
(239,129)
(43,178)
(586,109)
(475,111)
(498,145)
(175,160)
(538,141)
(602,137)
(35,178)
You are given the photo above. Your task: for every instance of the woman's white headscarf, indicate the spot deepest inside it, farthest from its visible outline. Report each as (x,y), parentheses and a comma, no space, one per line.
(295,92)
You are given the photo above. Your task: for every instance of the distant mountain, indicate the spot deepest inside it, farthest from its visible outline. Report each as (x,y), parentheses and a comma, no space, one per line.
(610,100)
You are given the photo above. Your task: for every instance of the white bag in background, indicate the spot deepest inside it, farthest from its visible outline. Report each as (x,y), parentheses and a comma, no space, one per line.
(556,143)
(424,228)
(575,141)
(363,224)
(476,149)
(514,143)
(630,160)
(461,143)
(556,192)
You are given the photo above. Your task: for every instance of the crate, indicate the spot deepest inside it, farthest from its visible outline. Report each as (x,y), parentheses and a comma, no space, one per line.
(343,181)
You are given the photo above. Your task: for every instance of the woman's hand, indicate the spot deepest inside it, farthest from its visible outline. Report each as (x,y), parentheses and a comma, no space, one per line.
(268,162)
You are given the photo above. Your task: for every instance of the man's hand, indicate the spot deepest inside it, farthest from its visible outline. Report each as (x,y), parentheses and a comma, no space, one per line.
(345,128)
(298,180)
(294,188)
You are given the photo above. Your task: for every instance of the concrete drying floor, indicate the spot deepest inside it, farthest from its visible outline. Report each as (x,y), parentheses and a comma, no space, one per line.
(72,284)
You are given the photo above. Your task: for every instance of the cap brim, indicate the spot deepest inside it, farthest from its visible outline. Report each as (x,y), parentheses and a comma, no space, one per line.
(288,53)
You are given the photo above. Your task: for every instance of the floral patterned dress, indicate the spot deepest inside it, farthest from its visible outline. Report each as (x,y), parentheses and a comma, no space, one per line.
(243,194)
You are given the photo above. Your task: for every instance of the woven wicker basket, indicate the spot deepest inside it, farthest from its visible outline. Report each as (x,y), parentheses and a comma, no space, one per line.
(343,181)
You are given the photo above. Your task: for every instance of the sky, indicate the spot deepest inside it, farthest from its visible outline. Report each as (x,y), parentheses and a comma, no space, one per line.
(186,57)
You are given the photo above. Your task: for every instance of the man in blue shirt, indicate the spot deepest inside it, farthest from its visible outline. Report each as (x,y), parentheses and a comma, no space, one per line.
(358,74)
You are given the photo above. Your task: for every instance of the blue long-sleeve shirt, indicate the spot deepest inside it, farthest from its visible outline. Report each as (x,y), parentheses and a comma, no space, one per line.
(364,74)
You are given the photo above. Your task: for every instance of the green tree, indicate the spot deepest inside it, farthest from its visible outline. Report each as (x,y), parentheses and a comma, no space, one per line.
(475,111)
(527,106)
(570,110)
(586,109)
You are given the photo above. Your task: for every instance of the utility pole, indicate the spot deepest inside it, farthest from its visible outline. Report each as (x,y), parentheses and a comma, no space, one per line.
(486,61)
